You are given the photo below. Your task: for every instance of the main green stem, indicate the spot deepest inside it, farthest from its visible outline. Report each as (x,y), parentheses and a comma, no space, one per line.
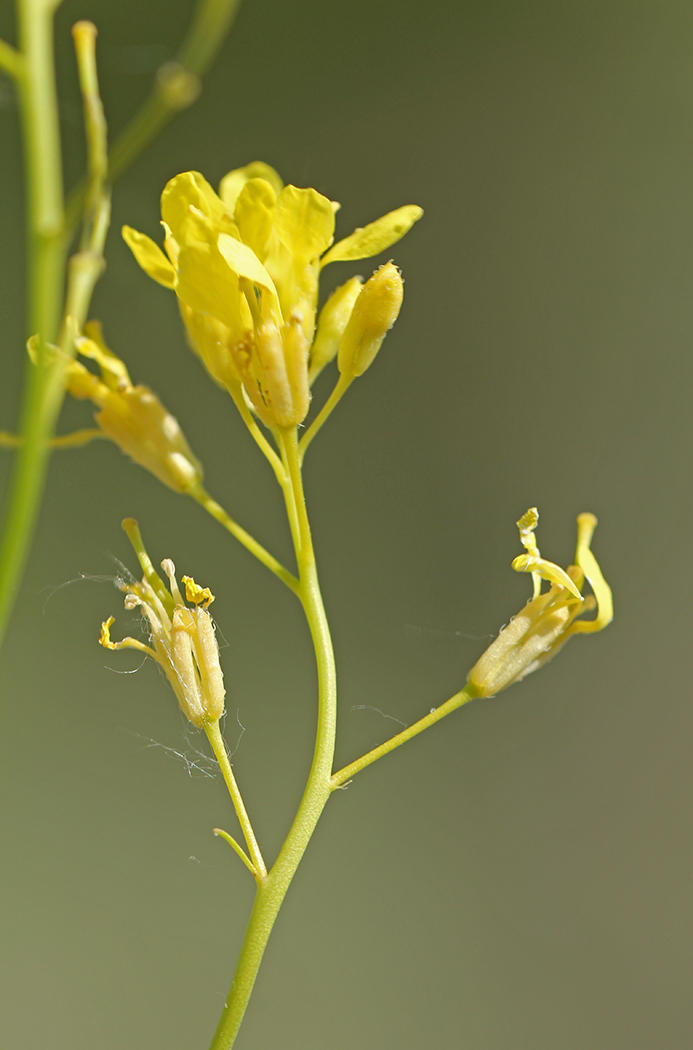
(46,259)
(271,890)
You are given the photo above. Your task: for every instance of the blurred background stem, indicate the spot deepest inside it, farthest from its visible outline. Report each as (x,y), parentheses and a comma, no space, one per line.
(176,87)
(45,277)
(49,226)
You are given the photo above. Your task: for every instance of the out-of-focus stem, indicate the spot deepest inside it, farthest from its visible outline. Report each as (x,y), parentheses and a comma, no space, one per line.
(176,87)
(46,259)
(11,61)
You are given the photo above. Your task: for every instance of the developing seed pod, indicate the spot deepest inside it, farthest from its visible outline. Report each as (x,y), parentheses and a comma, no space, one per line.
(182,638)
(549,618)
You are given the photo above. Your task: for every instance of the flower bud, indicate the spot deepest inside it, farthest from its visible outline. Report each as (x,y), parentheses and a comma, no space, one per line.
(331,324)
(374,313)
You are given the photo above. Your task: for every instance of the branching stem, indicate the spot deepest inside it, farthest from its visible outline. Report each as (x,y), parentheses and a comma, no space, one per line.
(219,748)
(343,384)
(271,891)
(212,507)
(343,775)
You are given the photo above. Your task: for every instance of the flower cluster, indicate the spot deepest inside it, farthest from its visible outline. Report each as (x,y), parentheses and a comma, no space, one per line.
(245,266)
(548,619)
(183,639)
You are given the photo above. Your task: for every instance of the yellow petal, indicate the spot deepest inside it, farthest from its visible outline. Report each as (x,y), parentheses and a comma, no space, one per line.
(376,237)
(304,222)
(244,262)
(150,256)
(190,189)
(232,184)
(254,213)
(206,283)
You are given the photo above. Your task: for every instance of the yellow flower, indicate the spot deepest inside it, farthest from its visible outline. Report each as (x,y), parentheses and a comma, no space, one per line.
(548,619)
(183,639)
(245,267)
(132,416)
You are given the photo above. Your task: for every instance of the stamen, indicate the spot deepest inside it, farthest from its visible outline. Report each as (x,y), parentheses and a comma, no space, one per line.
(170,570)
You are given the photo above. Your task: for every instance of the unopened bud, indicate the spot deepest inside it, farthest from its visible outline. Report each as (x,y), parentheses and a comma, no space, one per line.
(331,324)
(374,313)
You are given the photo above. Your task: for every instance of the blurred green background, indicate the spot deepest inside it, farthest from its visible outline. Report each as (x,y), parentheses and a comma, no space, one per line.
(518,878)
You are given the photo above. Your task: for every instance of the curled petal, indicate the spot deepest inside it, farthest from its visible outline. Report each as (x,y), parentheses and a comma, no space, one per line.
(588,563)
(186,191)
(245,263)
(547,570)
(113,371)
(126,643)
